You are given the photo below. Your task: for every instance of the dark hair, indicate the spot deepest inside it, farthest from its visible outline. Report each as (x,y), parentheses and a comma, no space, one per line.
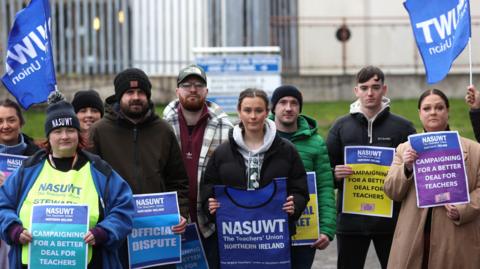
(83,143)
(12,104)
(252,93)
(368,72)
(431,92)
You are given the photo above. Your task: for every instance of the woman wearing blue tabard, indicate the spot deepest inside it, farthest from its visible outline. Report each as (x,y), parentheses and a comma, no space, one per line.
(92,181)
(253,157)
(12,141)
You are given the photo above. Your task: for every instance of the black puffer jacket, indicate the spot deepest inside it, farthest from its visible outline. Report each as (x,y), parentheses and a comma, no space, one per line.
(475,120)
(227,167)
(386,130)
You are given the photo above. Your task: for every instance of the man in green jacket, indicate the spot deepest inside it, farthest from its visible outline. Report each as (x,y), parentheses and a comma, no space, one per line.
(301,130)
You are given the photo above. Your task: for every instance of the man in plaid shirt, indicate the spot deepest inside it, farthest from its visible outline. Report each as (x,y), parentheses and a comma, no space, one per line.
(200,126)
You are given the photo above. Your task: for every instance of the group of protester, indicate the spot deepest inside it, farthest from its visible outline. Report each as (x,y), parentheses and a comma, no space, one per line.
(123,147)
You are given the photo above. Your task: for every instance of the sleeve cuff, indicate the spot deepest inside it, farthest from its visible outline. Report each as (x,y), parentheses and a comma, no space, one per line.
(14,233)
(100,235)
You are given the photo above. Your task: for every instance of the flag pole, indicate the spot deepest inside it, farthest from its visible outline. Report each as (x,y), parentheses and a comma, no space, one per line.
(470,59)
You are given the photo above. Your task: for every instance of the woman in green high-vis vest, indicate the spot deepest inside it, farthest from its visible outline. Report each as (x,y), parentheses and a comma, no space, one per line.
(64,173)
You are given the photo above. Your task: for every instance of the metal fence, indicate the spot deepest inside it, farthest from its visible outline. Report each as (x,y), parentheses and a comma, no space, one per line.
(89,36)
(98,37)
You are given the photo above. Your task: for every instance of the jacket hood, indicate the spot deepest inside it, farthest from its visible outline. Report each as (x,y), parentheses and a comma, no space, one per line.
(270,132)
(355,107)
(355,110)
(307,126)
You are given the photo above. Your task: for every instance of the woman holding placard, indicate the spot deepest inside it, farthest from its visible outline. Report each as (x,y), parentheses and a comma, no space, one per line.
(64,173)
(13,142)
(254,156)
(445,236)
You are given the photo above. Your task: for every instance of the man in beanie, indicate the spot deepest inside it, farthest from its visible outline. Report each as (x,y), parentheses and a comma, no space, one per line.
(138,144)
(369,123)
(200,126)
(301,130)
(89,109)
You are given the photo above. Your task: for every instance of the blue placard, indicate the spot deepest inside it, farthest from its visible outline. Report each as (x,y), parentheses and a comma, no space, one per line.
(252,227)
(9,163)
(193,255)
(58,232)
(369,155)
(152,241)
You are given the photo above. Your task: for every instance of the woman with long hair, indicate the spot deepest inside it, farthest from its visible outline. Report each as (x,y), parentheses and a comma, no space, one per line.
(63,162)
(253,157)
(446,236)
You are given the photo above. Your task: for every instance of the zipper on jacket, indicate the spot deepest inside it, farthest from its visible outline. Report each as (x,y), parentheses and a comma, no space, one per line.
(135,159)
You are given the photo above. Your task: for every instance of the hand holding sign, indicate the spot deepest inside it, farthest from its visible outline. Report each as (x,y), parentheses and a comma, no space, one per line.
(89,239)
(289,206)
(213,205)
(342,171)
(25,237)
(180,227)
(409,157)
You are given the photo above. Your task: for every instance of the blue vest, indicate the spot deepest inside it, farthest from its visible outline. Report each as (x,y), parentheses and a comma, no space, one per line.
(252,227)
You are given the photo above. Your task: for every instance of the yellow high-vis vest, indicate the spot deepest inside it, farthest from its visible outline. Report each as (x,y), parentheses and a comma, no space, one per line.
(56,187)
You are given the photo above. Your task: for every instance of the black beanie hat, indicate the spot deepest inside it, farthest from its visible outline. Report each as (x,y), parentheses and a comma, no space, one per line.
(88,98)
(60,113)
(286,90)
(132,78)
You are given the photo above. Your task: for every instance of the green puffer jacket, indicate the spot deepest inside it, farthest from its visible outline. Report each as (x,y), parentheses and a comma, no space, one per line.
(313,152)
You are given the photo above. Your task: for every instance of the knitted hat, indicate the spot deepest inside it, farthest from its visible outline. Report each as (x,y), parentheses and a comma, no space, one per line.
(132,78)
(88,98)
(60,113)
(286,90)
(191,70)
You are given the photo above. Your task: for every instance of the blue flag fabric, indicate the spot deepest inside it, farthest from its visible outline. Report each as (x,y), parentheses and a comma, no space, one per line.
(30,73)
(442,30)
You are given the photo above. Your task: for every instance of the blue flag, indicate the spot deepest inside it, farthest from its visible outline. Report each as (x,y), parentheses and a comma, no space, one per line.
(30,73)
(442,30)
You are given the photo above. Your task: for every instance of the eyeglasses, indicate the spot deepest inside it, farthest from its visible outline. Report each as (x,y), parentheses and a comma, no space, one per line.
(197,86)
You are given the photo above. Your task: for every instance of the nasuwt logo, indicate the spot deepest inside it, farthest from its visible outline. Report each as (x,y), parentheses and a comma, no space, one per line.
(60,188)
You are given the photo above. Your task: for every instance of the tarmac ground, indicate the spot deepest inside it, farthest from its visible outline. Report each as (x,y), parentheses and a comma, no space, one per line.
(327,258)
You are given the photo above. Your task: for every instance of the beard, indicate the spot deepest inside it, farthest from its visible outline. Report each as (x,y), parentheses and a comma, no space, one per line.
(130,111)
(192,105)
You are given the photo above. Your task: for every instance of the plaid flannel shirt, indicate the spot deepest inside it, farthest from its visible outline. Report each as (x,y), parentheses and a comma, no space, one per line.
(215,134)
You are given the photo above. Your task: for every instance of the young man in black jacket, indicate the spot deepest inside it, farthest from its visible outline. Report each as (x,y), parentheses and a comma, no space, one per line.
(369,123)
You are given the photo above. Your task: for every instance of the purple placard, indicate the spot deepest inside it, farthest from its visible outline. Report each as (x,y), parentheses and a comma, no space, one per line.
(439,171)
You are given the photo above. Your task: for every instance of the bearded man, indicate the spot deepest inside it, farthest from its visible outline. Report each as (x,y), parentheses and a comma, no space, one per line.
(200,126)
(139,145)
